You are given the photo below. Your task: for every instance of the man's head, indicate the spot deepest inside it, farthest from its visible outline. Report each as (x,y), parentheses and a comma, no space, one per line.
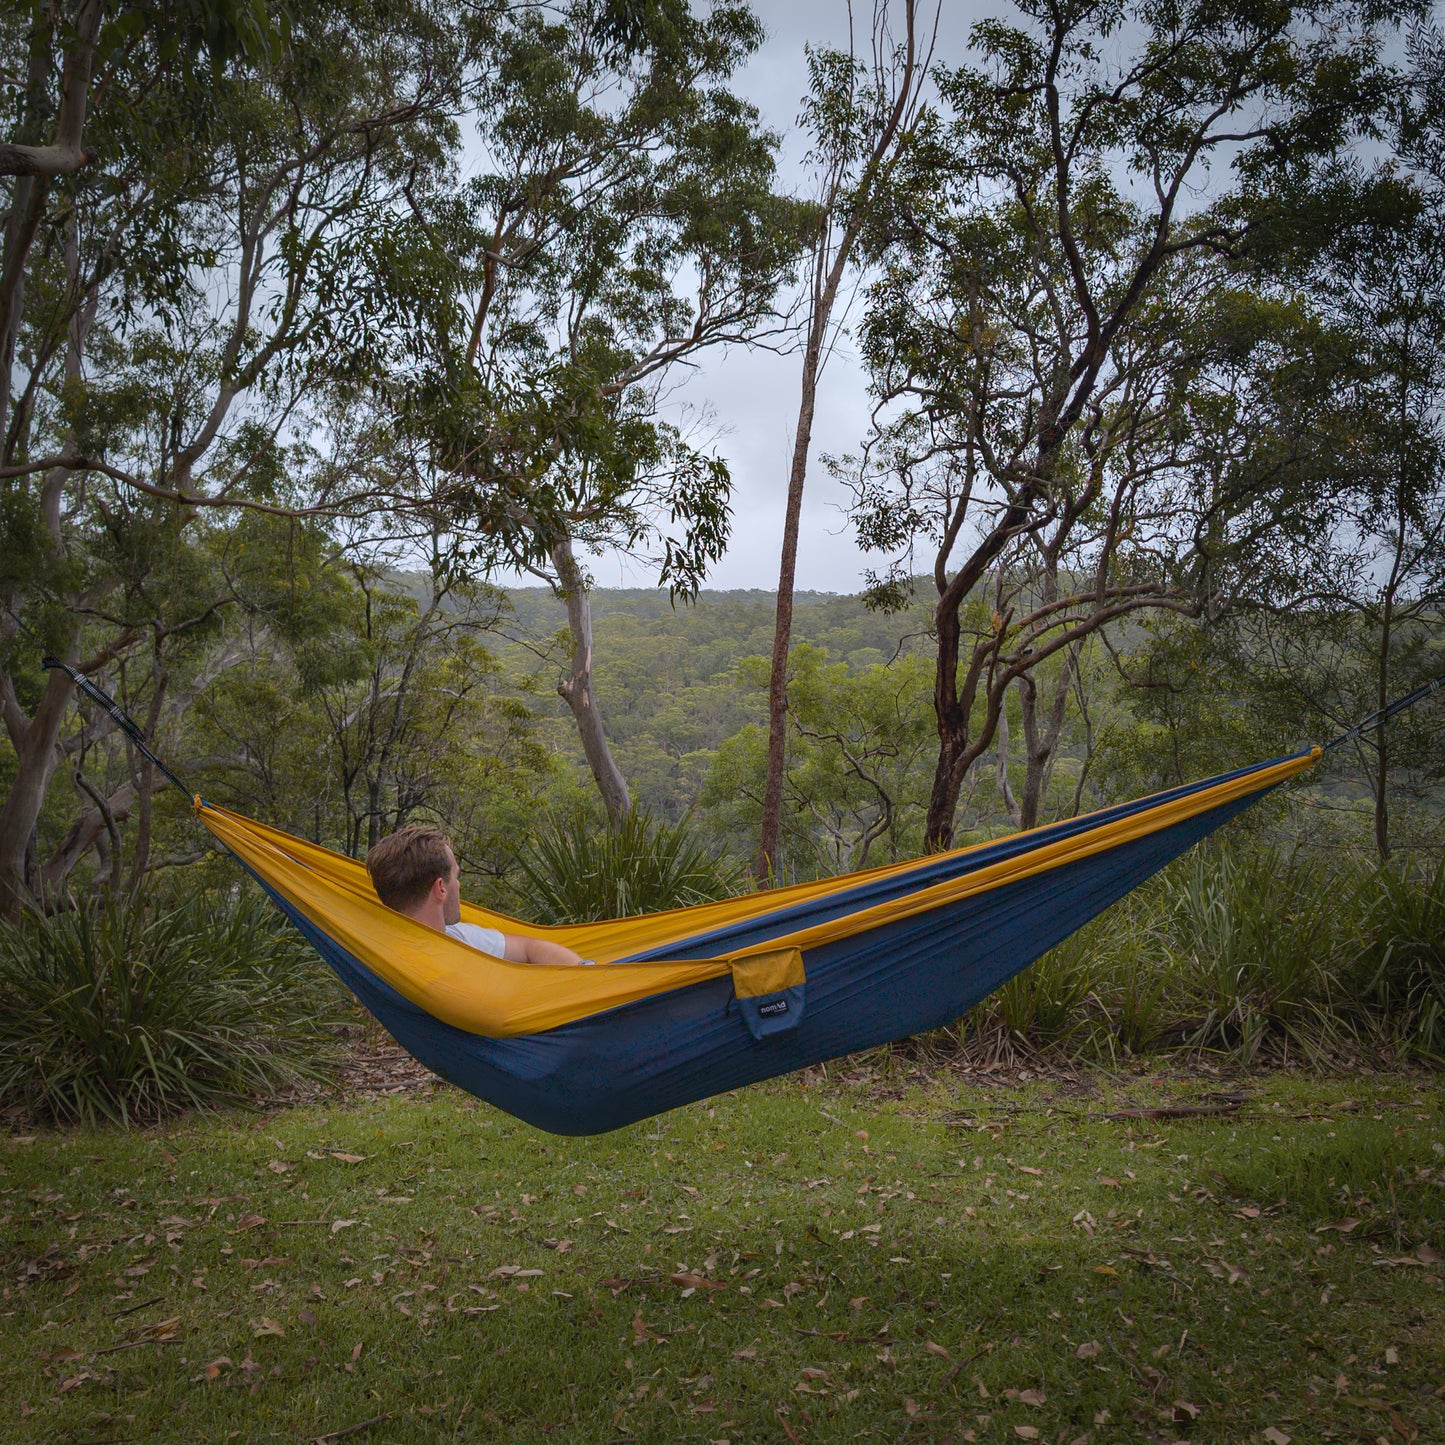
(415,872)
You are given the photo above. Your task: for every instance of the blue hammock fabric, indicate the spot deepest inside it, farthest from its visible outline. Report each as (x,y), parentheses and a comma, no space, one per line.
(864,989)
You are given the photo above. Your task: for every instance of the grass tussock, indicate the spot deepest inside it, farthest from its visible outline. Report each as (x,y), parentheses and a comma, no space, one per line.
(580,869)
(1255,956)
(130,1010)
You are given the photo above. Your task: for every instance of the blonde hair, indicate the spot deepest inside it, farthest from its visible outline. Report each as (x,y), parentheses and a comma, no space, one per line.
(404,865)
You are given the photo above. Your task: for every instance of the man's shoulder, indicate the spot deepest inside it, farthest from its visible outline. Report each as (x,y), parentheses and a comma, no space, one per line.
(488,940)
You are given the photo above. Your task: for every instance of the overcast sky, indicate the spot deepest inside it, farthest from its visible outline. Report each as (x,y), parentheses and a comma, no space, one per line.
(753,395)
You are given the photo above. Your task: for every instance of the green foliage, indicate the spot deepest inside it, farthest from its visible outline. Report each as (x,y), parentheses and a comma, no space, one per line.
(1401,967)
(856,780)
(1249,951)
(1044,1004)
(1255,936)
(578,869)
(134,1009)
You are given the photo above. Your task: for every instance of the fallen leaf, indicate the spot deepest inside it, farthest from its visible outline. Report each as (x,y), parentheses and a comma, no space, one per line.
(339,1224)
(1426,1255)
(1340,1226)
(1026,1432)
(1105,1269)
(306,1317)
(1183,1411)
(249,1221)
(162,1329)
(356,1353)
(265,1326)
(1031,1397)
(695,1281)
(1392,1355)
(1276,1437)
(348,1158)
(935,1349)
(214,1368)
(1088,1350)
(279,1166)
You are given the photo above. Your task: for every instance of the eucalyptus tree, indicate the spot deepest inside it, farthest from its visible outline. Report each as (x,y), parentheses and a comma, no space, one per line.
(621,218)
(858,117)
(1362,622)
(1053,299)
(178,303)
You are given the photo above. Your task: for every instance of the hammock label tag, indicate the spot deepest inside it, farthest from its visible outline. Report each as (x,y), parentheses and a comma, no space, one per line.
(770,989)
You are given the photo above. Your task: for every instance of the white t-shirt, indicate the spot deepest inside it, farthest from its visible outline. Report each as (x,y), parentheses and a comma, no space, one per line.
(488,940)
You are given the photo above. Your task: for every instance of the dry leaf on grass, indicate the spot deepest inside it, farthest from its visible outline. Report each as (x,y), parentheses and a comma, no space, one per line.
(688,1280)
(249,1221)
(267,1326)
(1276,1437)
(1088,1350)
(340,1224)
(1340,1226)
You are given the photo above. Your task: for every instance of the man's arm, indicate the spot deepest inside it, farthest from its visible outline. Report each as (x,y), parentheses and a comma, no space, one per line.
(524,948)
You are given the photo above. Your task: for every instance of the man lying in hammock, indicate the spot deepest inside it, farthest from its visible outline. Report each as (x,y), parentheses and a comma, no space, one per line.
(415,872)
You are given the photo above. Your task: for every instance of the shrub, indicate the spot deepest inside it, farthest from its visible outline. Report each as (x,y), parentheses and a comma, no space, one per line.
(578,869)
(1401,968)
(1257,938)
(1044,1003)
(134,1008)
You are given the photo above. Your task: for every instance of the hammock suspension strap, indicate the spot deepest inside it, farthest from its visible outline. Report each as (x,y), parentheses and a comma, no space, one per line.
(1426,689)
(102,700)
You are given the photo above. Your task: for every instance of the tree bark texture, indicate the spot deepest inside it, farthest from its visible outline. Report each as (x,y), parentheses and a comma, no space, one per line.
(577,690)
(36,759)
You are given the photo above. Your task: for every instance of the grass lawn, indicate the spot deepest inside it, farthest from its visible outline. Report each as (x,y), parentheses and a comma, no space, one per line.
(937,1259)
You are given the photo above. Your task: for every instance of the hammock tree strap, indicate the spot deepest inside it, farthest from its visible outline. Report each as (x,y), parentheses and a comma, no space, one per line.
(118,715)
(1426,689)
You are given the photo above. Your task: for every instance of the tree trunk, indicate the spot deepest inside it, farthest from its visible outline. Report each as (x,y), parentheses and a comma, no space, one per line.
(1041,744)
(36,758)
(765,868)
(828,273)
(1005,789)
(31,165)
(1382,746)
(577,690)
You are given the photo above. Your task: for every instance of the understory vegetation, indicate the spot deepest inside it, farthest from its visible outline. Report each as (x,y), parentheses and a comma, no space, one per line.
(128,1010)
(1240,954)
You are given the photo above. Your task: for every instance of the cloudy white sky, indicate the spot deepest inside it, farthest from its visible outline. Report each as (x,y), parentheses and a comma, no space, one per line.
(753,395)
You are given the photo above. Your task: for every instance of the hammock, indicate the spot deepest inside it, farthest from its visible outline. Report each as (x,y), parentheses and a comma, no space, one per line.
(699,1000)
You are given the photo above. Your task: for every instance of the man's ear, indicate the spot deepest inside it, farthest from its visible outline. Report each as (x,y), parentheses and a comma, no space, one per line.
(439,888)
